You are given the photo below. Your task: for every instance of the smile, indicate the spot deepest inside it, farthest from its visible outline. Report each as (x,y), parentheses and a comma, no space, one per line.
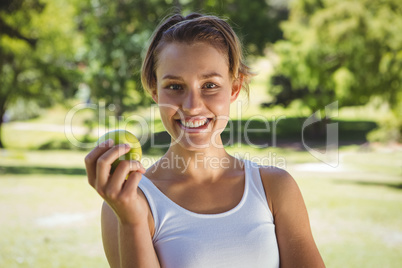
(194,124)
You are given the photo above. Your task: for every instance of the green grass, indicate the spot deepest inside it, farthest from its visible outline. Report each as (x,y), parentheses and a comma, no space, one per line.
(50,215)
(49,218)
(355,224)
(355,209)
(30,239)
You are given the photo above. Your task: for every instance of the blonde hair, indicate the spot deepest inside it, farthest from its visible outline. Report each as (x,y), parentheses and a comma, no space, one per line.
(190,29)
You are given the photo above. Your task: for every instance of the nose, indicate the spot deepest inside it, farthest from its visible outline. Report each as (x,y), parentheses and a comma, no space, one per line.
(192,102)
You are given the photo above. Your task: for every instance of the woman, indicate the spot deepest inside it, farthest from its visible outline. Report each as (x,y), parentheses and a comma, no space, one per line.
(198,206)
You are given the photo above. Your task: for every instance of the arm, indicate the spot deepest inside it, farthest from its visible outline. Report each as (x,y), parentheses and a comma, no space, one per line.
(126,230)
(295,240)
(116,244)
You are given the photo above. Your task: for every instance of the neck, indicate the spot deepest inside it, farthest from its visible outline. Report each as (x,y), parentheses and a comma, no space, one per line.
(202,165)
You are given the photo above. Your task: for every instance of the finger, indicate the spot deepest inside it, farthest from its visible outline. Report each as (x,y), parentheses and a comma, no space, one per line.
(92,157)
(137,166)
(104,163)
(131,184)
(117,180)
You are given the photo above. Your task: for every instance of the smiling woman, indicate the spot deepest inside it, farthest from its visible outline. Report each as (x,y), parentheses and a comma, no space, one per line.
(217,210)
(203,91)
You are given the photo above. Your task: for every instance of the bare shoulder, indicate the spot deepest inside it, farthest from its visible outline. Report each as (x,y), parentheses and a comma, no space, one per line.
(279,186)
(297,247)
(276,177)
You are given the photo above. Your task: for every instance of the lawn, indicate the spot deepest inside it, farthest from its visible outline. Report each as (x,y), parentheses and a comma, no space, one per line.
(50,216)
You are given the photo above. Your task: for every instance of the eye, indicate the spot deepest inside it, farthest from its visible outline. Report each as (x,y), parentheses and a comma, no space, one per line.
(210,85)
(174,87)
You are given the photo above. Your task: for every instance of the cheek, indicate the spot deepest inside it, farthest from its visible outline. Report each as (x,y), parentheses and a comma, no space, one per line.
(220,103)
(166,115)
(167,99)
(221,108)
(167,104)
(167,110)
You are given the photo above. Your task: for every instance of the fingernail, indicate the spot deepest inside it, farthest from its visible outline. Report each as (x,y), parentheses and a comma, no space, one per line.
(103,144)
(127,146)
(109,142)
(106,143)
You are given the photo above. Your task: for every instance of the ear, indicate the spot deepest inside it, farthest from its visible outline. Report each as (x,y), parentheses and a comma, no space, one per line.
(237,85)
(155,96)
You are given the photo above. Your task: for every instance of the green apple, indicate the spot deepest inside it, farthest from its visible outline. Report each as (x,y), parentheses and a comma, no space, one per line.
(121,136)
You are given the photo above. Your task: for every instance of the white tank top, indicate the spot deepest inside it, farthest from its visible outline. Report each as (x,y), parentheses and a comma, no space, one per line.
(241,237)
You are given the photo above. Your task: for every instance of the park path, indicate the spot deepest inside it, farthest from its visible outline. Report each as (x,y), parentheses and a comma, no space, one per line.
(45,127)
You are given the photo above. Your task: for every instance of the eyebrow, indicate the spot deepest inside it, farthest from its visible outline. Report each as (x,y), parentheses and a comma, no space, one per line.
(212,74)
(204,76)
(171,77)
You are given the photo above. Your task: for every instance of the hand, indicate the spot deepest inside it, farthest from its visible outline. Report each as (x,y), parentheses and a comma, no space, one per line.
(119,189)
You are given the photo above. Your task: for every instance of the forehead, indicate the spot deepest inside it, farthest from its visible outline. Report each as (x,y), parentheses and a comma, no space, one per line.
(184,58)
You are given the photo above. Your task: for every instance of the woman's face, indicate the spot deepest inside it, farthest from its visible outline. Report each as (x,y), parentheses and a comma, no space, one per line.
(194,92)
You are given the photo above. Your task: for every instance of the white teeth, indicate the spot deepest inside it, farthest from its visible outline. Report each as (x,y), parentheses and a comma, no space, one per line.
(193,124)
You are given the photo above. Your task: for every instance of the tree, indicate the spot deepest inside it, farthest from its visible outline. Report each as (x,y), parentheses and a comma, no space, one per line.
(116,34)
(36,53)
(348,51)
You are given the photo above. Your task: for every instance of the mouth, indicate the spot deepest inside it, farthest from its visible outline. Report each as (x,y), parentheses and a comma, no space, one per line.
(194,125)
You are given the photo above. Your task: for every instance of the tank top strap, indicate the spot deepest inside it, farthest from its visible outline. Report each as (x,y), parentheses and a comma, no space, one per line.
(256,187)
(153,196)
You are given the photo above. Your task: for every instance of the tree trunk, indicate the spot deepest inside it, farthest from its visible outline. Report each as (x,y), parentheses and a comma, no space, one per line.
(1,124)
(3,102)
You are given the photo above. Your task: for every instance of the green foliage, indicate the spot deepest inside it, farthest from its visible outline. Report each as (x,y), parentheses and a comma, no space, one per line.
(116,34)
(348,51)
(23,109)
(37,59)
(351,48)
(37,51)
(390,129)
(57,145)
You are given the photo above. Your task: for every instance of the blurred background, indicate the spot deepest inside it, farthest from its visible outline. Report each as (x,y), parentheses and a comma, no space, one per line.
(70,70)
